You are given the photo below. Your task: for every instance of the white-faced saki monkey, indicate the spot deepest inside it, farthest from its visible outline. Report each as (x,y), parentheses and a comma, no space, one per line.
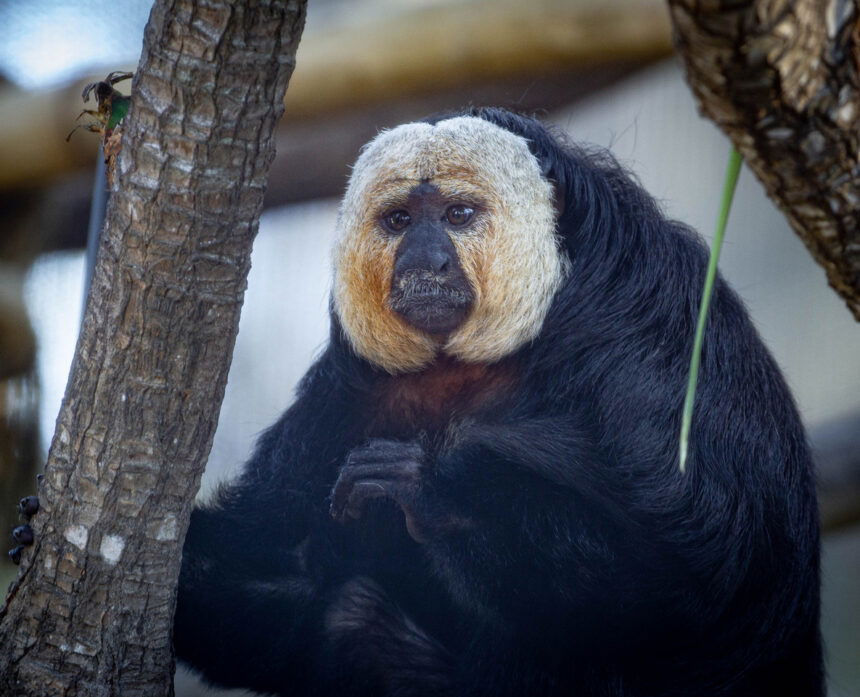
(476,491)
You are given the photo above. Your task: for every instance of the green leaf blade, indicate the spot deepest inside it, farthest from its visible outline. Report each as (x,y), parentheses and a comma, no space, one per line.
(733,169)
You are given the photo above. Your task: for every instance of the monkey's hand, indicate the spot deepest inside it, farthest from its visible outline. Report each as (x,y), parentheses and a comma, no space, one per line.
(396,470)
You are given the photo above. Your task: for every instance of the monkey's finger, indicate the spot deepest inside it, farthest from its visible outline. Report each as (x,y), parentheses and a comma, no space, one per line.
(340,494)
(398,470)
(380,450)
(348,499)
(361,492)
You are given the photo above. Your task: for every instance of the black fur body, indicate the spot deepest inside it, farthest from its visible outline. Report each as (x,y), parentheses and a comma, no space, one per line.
(553,546)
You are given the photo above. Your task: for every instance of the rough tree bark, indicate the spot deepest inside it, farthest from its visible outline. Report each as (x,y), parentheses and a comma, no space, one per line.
(780,77)
(91,611)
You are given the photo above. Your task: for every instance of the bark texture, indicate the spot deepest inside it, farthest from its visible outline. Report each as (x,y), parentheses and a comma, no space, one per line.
(780,77)
(91,611)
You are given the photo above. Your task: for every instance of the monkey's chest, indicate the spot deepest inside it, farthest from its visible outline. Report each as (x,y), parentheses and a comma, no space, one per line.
(430,400)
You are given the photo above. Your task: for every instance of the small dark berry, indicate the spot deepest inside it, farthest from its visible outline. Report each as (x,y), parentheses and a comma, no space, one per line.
(23,535)
(28,506)
(15,554)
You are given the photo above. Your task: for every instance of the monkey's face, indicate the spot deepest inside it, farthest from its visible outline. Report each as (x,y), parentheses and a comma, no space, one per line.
(446,244)
(429,288)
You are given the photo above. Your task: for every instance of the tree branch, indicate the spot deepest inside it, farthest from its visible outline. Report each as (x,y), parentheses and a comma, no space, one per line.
(780,77)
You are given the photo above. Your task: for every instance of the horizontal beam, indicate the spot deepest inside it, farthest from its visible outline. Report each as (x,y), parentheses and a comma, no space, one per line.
(371,60)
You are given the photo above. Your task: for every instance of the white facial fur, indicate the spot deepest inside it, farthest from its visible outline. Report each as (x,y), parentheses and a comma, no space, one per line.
(511,256)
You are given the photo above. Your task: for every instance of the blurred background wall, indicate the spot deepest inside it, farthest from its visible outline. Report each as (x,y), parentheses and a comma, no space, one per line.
(600,70)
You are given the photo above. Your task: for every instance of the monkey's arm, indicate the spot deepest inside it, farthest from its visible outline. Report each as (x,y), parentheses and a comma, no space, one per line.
(257,565)
(273,622)
(249,608)
(268,597)
(555,515)
(531,521)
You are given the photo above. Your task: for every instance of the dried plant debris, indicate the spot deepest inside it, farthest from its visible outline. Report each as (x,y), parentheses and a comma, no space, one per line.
(112,109)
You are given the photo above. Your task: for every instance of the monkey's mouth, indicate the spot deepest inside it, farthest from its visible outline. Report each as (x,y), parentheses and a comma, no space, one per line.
(433,306)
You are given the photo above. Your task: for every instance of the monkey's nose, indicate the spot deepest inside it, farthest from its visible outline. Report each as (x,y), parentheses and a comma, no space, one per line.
(426,259)
(439,262)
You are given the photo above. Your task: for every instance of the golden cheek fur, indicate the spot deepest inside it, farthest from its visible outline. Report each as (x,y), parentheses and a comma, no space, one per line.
(511,258)
(362,287)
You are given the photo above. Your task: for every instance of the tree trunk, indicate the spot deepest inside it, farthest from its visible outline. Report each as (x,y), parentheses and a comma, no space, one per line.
(92,609)
(780,77)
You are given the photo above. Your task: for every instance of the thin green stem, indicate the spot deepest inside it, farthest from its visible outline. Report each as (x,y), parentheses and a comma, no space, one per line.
(733,168)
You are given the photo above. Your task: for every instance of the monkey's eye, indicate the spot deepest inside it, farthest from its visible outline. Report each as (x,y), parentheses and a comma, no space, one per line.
(459,214)
(396,221)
